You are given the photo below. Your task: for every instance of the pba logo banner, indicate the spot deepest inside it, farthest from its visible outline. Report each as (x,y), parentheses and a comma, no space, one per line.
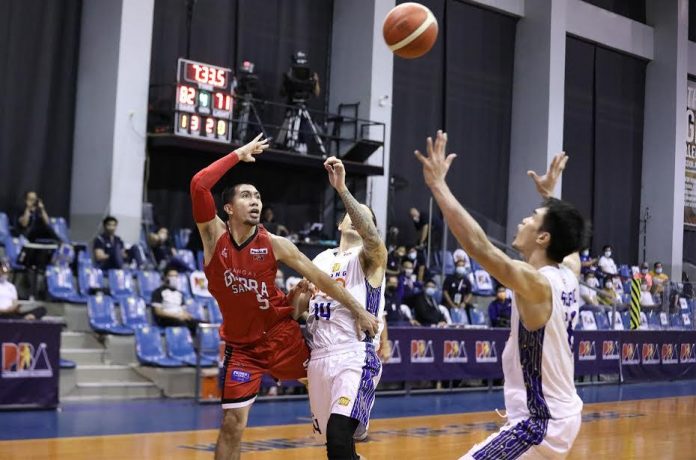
(587,350)
(395,357)
(651,353)
(21,360)
(630,354)
(486,351)
(455,351)
(669,353)
(422,351)
(610,350)
(687,353)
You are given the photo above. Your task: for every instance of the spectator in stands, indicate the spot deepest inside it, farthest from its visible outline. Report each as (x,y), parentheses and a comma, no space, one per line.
(425,229)
(588,296)
(660,280)
(270,225)
(500,309)
(456,290)
(164,253)
(619,286)
(417,257)
(9,304)
(109,250)
(460,254)
(644,274)
(392,307)
(609,296)
(646,298)
(426,309)
(606,263)
(408,286)
(394,260)
(32,221)
(168,304)
(586,261)
(392,238)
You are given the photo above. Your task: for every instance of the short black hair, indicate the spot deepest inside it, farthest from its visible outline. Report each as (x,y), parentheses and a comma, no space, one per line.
(606,246)
(108,219)
(567,227)
(656,264)
(229,192)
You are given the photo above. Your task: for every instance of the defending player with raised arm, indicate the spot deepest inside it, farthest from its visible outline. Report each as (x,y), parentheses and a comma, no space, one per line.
(543,408)
(241,259)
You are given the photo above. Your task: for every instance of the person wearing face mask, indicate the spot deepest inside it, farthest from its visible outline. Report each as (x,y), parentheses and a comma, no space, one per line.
(417,257)
(168,304)
(646,298)
(9,304)
(589,296)
(456,293)
(394,261)
(606,263)
(408,286)
(392,305)
(644,275)
(586,261)
(500,309)
(660,279)
(426,309)
(609,296)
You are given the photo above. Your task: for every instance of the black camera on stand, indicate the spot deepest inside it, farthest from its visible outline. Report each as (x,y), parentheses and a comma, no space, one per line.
(247,85)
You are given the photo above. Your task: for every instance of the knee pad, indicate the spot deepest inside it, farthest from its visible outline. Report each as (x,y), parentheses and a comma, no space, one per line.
(339,437)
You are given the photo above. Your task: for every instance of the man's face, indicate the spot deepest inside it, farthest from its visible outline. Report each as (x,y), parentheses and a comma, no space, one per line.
(415,215)
(401,251)
(163,234)
(528,234)
(110,227)
(245,206)
(31,199)
(407,267)
(501,294)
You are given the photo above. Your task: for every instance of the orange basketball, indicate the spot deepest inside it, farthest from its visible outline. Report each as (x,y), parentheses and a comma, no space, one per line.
(410,30)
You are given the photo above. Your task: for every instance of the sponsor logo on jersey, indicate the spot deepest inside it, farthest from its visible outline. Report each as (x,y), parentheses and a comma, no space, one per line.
(422,351)
(587,350)
(651,353)
(22,360)
(610,350)
(395,357)
(336,267)
(486,351)
(240,376)
(455,351)
(669,353)
(687,353)
(258,251)
(630,353)
(343,401)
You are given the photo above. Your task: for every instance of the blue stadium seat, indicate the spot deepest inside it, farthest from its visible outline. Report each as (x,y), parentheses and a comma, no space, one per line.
(149,350)
(626,319)
(478,318)
(474,265)
(181,237)
(13,246)
(59,226)
(458,316)
(67,364)
(133,311)
(654,321)
(180,346)
(89,279)
(184,285)
(675,321)
(84,259)
(601,320)
(148,280)
(186,256)
(102,316)
(63,255)
(61,287)
(121,283)
(687,320)
(4,227)
(625,271)
(214,315)
(200,259)
(196,308)
(210,342)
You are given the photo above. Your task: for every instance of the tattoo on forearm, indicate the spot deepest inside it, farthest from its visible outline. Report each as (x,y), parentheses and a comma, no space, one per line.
(362,221)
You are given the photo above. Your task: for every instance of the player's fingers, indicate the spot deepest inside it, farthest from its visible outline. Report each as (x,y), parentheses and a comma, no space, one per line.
(533,175)
(419,156)
(450,158)
(564,160)
(429,146)
(258,136)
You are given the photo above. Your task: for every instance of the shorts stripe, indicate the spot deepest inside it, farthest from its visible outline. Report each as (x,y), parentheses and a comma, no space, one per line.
(512,443)
(366,392)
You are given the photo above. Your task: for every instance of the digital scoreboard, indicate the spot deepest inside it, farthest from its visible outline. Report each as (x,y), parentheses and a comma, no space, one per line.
(204,101)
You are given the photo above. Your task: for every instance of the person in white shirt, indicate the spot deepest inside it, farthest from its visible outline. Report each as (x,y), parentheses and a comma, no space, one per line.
(543,407)
(606,263)
(9,303)
(646,298)
(589,296)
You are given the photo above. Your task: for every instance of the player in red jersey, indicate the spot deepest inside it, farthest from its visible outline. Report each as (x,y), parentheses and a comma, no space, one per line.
(257,325)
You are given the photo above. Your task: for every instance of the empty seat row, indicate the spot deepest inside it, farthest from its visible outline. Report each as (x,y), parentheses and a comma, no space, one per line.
(179,350)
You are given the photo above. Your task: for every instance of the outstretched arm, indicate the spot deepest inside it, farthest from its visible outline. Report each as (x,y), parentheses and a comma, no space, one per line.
(374,253)
(528,283)
(209,224)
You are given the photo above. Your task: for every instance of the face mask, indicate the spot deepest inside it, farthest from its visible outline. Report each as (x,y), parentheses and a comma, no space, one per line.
(607,254)
(585,253)
(412,255)
(644,271)
(173,281)
(460,271)
(658,270)
(430,291)
(408,271)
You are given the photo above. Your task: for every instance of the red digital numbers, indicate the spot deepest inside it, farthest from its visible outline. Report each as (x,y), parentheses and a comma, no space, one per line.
(206,75)
(223,101)
(187,95)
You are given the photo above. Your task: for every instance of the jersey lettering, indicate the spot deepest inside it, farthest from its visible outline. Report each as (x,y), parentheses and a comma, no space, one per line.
(322,310)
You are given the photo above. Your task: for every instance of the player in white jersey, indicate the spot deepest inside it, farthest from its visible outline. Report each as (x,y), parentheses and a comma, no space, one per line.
(344,367)
(543,408)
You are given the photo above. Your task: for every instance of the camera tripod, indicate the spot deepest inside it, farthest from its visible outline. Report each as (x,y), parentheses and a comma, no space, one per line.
(247,109)
(289,135)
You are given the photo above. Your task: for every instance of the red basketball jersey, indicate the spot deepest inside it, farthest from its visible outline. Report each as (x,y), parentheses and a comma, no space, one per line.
(242,280)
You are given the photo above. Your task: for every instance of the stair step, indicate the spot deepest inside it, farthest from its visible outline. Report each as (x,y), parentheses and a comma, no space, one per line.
(83,355)
(86,373)
(112,390)
(70,339)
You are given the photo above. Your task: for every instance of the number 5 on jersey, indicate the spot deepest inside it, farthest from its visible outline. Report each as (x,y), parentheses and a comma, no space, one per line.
(322,310)
(263,302)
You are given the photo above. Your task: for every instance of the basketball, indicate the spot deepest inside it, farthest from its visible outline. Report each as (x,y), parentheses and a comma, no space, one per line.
(410,30)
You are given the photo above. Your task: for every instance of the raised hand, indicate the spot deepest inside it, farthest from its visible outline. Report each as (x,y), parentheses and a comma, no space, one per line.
(256,146)
(546,184)
(437,163)
(337,173)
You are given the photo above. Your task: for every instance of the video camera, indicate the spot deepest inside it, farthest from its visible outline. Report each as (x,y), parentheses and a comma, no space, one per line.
(299,81)
(248,81)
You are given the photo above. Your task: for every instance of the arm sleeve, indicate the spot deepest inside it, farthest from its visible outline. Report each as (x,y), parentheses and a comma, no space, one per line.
(202,200)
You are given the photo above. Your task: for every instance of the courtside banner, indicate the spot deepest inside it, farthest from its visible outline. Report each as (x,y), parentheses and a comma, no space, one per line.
(30,352)
(690,164)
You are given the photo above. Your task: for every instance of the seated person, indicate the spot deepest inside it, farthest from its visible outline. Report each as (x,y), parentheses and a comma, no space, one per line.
(9,305)
(417,258)
(109,250)
(408,286)
(609,296)
(168,304)
(589,296)
(646,298)
(660,279)
(644,275)
(500,309)
(270,225)
(456,290)
(426,309)
(164,253)
(32,221)
(606,262)
(392,308)
(394,260)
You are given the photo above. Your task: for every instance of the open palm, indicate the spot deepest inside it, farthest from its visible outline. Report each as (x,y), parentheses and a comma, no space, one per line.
(546,184)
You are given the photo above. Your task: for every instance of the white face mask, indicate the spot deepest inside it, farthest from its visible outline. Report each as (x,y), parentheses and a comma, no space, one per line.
(408,271)
(430,291)
(460,271)
(607,254)
(644,271)
(173,281)
(412,255)
(585,253)
(658,270)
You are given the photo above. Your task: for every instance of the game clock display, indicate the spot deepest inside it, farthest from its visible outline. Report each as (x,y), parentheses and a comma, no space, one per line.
(204,101)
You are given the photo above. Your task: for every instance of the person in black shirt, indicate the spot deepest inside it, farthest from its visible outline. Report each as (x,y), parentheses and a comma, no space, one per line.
(168,304)
(500,309)
(109,250)
(427,309)
(392,304)
(456,290)
(394,260)
(270,225)
(33,222)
